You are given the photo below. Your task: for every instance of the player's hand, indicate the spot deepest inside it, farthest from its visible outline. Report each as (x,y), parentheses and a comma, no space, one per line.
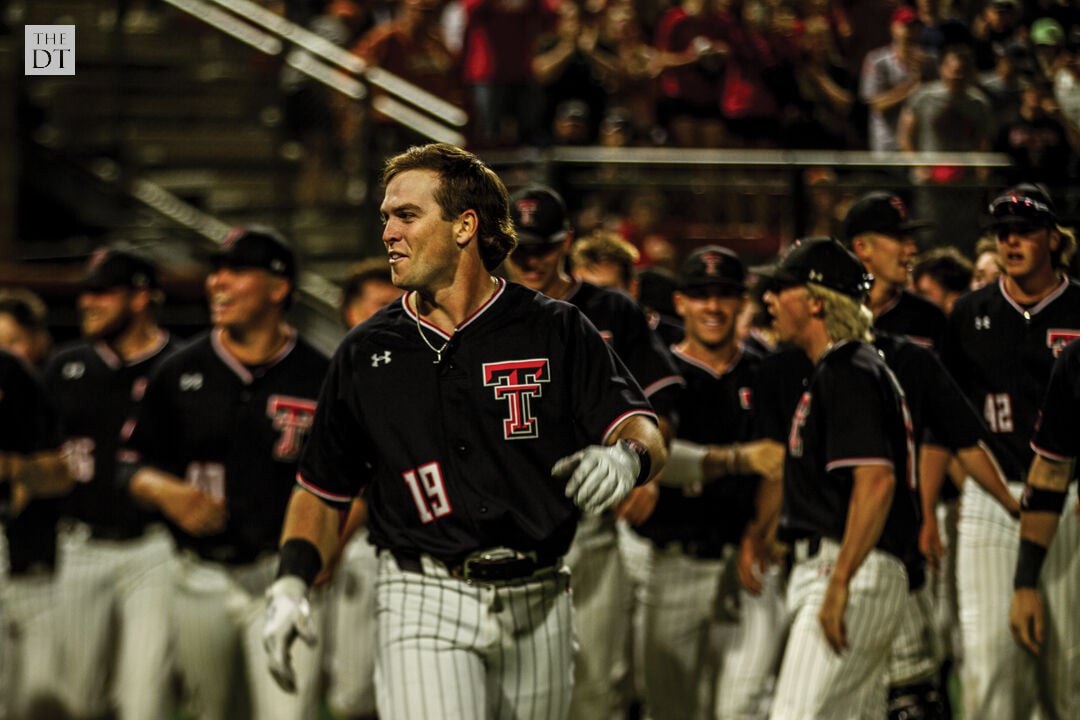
(639,504)
(1026,619)
(831,615)
(598,476)
(193,510)
(752,562)
(288,616)
(764,458)
(930,542)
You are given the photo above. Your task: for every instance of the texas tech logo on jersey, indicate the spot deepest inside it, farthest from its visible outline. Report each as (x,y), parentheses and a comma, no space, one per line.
(293,417)
(1058,338)
(518,382)
(795,441)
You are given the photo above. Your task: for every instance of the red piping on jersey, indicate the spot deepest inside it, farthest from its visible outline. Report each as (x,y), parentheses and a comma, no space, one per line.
(114,361)
(1049,455)
(856,462)
(319,492)
(615,423)
(500,286)
(698,364)
(663,383)
(1042,303)
(238,367)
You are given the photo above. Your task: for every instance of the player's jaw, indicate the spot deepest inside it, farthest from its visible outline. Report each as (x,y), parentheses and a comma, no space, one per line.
(104,316)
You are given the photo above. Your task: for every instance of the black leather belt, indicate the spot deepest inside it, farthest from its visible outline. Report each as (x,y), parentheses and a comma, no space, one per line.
(493,565)
(695,548)
(807,548)
(114,532)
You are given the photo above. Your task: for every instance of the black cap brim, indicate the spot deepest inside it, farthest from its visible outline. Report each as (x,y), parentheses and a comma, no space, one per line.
(530,239)
(776,274)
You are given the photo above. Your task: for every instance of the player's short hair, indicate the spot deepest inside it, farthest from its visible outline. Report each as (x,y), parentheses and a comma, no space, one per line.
(602,246)
(947,266)
(466,183)
(360,274)
(845,317)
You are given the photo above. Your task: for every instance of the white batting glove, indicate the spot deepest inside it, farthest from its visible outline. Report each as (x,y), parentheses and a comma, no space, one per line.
(599,476)
(288,616)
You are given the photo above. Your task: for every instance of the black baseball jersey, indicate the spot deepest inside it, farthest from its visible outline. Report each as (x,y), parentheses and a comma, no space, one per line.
(783,376)
(28,424)
(235,431)
(623,323)
(713,410)
(1057,431)
(916,317)
(456,456)
(1001,354)
(96,392)
(852,414)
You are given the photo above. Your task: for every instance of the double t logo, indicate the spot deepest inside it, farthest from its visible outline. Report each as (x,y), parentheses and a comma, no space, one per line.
(518,382)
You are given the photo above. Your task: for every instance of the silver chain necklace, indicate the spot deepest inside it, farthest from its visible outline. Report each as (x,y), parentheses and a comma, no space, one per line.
(420,329)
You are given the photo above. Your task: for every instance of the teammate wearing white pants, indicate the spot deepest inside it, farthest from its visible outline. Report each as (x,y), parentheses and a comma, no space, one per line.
(349,631)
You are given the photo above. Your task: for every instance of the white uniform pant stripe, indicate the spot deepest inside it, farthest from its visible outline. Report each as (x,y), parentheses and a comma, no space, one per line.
(448,649)
(815,683)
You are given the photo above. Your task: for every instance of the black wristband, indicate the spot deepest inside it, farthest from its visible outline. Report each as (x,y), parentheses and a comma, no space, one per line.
(1029,564)
(1036,499)
(301,558)
(642,452)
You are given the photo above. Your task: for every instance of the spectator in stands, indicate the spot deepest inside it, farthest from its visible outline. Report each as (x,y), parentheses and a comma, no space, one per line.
(1048,38)
(23,328)
(636,89)
(572,124)
(499,45)
(411,47)
(941,275)
(825,102)
(689,63)
(572,64)
(1037,140)
(996,24)
(1067,89)
(889,76)
(1005,84)
(949,115)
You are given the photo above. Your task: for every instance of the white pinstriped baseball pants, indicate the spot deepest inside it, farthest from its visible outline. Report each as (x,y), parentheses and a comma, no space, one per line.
(113,610)
(219,612)
(817,684)
(1001,680)
(452,650)
(711,648)
(350,631)
(29,643)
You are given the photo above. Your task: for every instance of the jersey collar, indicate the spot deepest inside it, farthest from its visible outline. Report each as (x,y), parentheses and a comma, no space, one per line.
(705,368)
(500,286)
(115,362)
(1038,307)
(238,368)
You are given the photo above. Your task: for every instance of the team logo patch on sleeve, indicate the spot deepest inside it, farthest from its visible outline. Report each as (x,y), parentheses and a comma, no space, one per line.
(1058,338)
(518,382)
(293,417)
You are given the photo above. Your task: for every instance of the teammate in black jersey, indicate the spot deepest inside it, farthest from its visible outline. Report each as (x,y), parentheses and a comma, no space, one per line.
(478,416)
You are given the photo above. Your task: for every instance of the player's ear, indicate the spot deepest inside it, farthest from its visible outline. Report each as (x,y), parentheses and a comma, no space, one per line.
(861,245)
(281,289)
(465,228)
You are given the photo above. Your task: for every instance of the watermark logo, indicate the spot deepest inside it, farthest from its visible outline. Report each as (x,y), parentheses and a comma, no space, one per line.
(50,50)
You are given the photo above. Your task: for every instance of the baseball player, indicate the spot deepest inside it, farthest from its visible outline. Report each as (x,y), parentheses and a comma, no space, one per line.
(116,574)
(603,594)
(1000,347)
(711,648)
(849,502)
(880,233)
(31,465)
(350,620)
(215,450)
(1049,536)
(479,417)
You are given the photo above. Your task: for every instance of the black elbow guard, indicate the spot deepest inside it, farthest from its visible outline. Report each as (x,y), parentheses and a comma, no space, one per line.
(1036,499)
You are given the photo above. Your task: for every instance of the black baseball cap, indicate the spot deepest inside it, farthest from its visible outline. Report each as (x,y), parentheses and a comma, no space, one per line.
(883,213)
(823,261)
(1023,204)
(110,268)
(712,265)
(539,215)
(259,247)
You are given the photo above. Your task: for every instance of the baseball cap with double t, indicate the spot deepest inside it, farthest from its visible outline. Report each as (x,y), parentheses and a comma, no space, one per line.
(712,265)
(822,261)
(1023,204)
(539,216)
(259,247)
(882,213)
(110,268)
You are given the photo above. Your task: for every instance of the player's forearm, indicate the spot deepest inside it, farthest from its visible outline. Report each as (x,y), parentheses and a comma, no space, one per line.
(1038,521)
(871,499)
(983,468)
(310,519)
(153,488)
(767,504)
(933,466)
(44,474)
(646,432)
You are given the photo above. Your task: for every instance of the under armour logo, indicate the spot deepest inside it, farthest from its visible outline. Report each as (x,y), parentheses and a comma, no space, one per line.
(73,370)
(191,381)
(982,322)
(815,276)
(377,359)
